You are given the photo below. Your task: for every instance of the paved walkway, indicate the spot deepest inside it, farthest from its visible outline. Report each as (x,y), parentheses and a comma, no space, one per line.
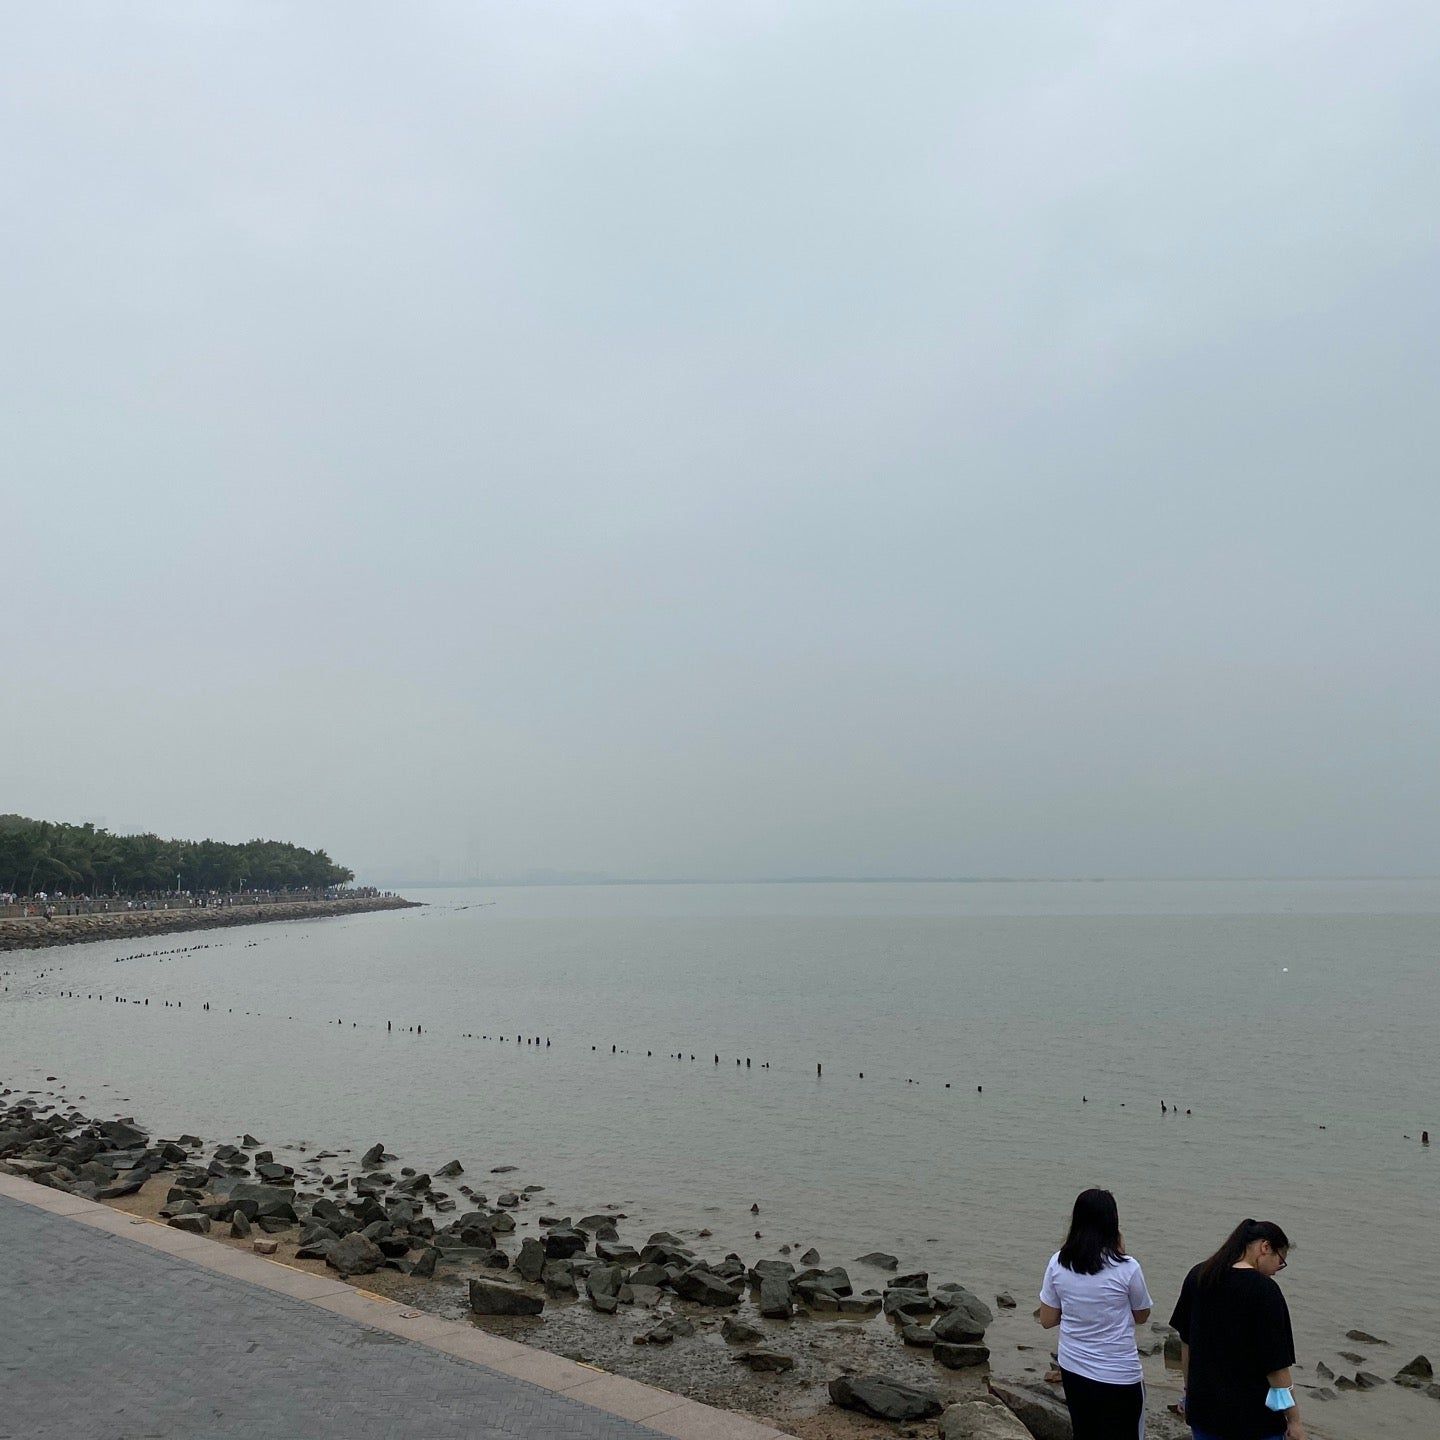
(111,1330)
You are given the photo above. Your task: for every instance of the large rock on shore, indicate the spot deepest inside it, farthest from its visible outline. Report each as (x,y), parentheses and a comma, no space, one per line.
(770,1361)
(960,1357)
(563,1241)
(705,1288)
(1042,1414)
(761,1268)
(740,1332)
(270,1200)
(774,1302)
(1416,1375)
(604,1281)
(907,1303)
(354,1255)
(981,1420)
(617,1252)
(499,1297)
(123,1134)
(558,1277)
(966,1318)
(530,1262)
(880,1259)
(885,1398)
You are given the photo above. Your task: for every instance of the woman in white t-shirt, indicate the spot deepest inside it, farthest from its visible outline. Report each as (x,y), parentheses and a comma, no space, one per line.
(1096,1294)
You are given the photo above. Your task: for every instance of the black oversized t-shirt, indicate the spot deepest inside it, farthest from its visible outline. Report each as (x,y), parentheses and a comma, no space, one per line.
(1238,1331)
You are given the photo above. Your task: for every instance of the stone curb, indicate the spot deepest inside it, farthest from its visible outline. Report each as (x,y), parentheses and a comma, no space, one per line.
(658,1410)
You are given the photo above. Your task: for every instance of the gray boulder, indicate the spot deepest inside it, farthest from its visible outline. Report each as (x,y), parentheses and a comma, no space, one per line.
(966,1318)
(770,1361)
(961,1357)
(558,1277)
(774,1302)
(354,1255)
(240,1226)
(122,1135)
(604,1280)
(1042,1414)
(705,1288)
(499,1297)
(195,1224)
(1416,1375)
(739,1332)
(270,1200)
(880,1260)
(617,1252)
(907,1303)
(981,1420)
(761,1268)
(885,1398)
(563,1241)
(530,1262)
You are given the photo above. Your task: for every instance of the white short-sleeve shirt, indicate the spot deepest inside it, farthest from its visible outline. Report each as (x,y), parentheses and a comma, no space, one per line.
(1097,1326)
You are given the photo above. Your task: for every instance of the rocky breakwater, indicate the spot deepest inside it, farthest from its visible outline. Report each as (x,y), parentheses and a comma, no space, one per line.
(35,932)
(361,1216)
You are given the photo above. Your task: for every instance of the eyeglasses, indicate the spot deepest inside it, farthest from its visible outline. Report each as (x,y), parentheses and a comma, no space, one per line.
(1283,1263)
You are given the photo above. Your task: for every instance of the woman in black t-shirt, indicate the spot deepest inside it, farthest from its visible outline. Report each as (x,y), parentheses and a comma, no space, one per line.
(1236,1346)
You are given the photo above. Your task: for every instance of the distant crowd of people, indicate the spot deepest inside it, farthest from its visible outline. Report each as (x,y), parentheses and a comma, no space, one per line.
(52,904)
(1236,1345)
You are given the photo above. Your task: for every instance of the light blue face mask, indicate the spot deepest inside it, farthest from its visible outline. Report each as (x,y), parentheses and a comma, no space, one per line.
(1279,1400)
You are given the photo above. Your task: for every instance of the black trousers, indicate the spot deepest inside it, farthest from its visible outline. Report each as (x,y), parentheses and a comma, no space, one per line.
(1104,1412)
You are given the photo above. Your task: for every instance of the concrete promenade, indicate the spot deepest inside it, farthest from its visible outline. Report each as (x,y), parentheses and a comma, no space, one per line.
(118,1329)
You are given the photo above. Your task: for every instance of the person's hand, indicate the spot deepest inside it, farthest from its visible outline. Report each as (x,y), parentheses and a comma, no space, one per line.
(1294,1428)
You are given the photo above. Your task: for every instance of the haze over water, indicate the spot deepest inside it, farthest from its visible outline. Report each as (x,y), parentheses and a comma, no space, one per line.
(1295,1020)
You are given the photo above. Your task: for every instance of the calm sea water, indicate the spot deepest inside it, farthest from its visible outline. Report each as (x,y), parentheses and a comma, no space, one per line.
(1296,1022)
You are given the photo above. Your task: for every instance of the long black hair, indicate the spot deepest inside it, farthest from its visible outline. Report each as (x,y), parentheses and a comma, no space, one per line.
(1094,1239)
(1245,1234)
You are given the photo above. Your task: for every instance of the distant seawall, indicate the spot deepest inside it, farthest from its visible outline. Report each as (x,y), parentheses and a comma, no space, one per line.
(35,932)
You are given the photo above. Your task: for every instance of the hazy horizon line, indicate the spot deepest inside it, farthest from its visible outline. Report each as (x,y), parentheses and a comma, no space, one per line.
(550,883)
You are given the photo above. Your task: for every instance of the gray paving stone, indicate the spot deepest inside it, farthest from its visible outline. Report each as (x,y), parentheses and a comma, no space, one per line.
(104,1339)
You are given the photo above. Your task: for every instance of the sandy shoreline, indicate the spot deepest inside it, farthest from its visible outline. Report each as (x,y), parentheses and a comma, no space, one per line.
(35,932)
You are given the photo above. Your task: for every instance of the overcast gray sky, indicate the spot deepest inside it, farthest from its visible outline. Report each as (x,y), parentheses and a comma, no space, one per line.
(727,439)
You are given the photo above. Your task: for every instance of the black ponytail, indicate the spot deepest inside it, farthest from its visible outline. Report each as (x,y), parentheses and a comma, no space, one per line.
(1245,1234)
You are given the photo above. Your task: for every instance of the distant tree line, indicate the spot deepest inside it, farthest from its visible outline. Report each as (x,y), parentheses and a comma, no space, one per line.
(84,860)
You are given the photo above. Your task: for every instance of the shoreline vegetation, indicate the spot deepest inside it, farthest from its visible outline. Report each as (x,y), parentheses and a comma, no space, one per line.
(36,931)
(88,860)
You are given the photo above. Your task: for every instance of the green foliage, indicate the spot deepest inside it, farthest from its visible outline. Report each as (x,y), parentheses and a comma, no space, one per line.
(79,859)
